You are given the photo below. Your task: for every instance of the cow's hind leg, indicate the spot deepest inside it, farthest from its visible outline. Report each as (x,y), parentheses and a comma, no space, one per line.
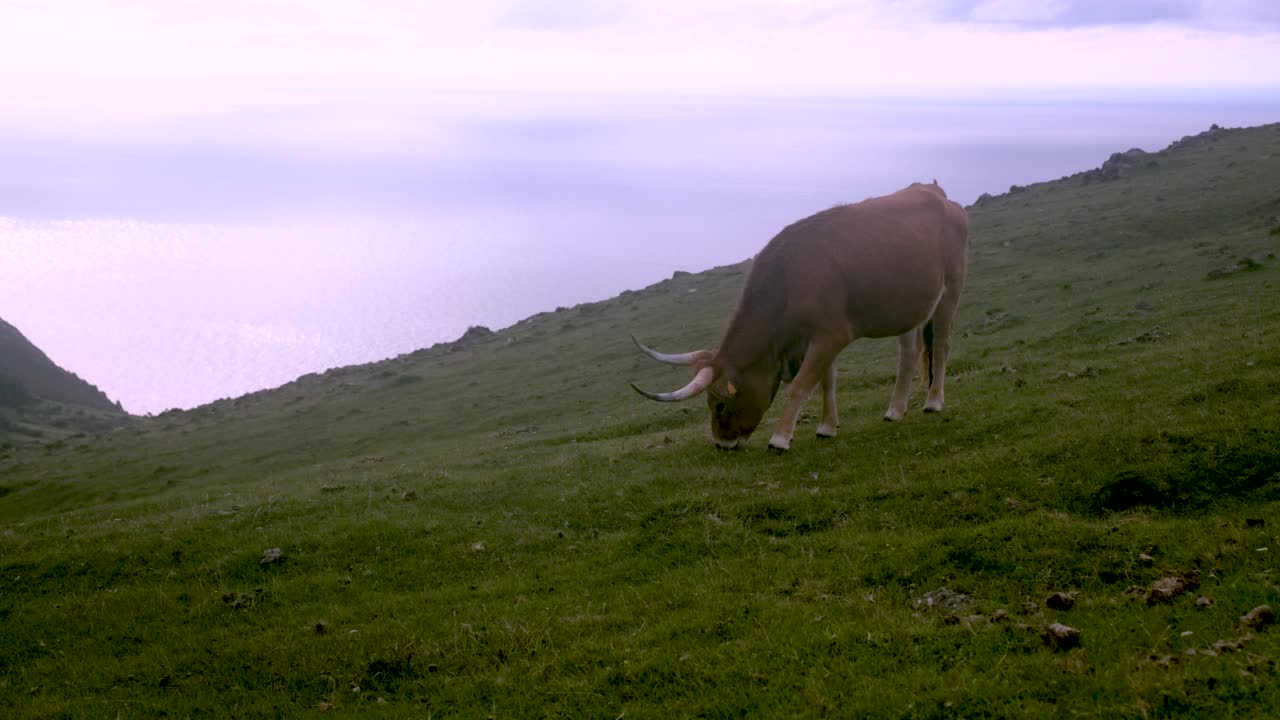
(830,418)
(943,321)
(908,356)
(818,357)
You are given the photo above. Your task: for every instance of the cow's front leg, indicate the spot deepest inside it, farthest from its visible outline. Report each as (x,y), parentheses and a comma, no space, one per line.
(908,357)
(830,418)
(817,359)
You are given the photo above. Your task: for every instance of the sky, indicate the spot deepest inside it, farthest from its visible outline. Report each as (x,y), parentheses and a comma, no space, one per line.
(204,198)
(98,62)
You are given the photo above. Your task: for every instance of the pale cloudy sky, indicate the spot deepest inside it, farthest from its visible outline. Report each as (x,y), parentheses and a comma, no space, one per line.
(147,58)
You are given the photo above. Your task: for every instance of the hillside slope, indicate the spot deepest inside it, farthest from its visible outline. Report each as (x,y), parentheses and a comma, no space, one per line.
(38,399)
(501,525)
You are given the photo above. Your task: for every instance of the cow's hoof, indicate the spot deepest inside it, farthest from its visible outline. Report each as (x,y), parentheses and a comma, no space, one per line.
(932,408)
(826,436)
(777,449)
(892,417)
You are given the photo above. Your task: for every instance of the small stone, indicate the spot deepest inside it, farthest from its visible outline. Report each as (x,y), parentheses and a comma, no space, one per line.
(1000,615)
(1060,636)
(381,701)
(1146,560)
(1225,646)
(1204,601)
(1061,601)
(1258,617)
(1169,587)
(944,599)
(271,555)
(407,495)
(1166,661)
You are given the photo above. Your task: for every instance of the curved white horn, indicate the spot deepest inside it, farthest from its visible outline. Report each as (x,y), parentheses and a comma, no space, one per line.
(688,358)
(695,386)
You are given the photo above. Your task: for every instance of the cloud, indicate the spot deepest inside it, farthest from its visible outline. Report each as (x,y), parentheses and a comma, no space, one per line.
(1084,13)
(1229,15)
(561,14)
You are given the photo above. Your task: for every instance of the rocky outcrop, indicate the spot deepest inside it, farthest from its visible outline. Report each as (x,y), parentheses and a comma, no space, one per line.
(1116,166)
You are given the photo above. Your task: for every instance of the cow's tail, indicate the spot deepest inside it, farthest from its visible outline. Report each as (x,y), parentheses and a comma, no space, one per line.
(926,353)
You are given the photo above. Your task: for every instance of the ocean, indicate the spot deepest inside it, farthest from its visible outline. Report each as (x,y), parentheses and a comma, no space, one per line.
(205,257)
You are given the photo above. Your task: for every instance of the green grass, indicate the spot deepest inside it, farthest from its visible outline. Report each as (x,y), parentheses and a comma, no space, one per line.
(502,528)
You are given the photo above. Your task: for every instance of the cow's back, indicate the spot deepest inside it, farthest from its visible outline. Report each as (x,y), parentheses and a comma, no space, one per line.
(875,268)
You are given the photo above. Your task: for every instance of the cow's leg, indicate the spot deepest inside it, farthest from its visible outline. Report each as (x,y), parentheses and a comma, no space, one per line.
(943,320)
(908,357)
(818,357)
(830,418)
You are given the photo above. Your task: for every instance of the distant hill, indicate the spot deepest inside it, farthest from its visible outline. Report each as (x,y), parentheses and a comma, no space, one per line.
(39,399)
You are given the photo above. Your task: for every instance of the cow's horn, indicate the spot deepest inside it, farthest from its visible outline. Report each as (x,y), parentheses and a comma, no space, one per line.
(688,358)
(695,386)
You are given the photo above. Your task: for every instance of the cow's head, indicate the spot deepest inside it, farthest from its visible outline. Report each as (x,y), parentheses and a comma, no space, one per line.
(736,397)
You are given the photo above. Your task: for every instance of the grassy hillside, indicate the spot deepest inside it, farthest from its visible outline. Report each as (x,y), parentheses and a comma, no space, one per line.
(40,401)
(500,527)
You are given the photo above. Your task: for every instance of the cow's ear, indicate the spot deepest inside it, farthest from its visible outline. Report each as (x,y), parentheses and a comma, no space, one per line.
(733,389)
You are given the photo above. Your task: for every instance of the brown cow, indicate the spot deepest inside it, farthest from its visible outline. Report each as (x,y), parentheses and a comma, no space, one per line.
(888,266)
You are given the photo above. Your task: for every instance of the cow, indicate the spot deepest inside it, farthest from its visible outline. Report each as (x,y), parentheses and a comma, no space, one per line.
(891,266)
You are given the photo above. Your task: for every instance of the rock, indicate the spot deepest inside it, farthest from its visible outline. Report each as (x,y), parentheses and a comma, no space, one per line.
(1171,586)
(271,555)
(1204,601)
(1226,646)
(1061,601)
(1258,617)
(1000,615)
(1060,637)
(475,332)
(1115,167)
(943,599)
(1145,560)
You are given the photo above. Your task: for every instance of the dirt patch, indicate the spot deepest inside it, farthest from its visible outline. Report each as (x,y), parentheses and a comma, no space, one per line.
(1244,264)
(1189,472)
